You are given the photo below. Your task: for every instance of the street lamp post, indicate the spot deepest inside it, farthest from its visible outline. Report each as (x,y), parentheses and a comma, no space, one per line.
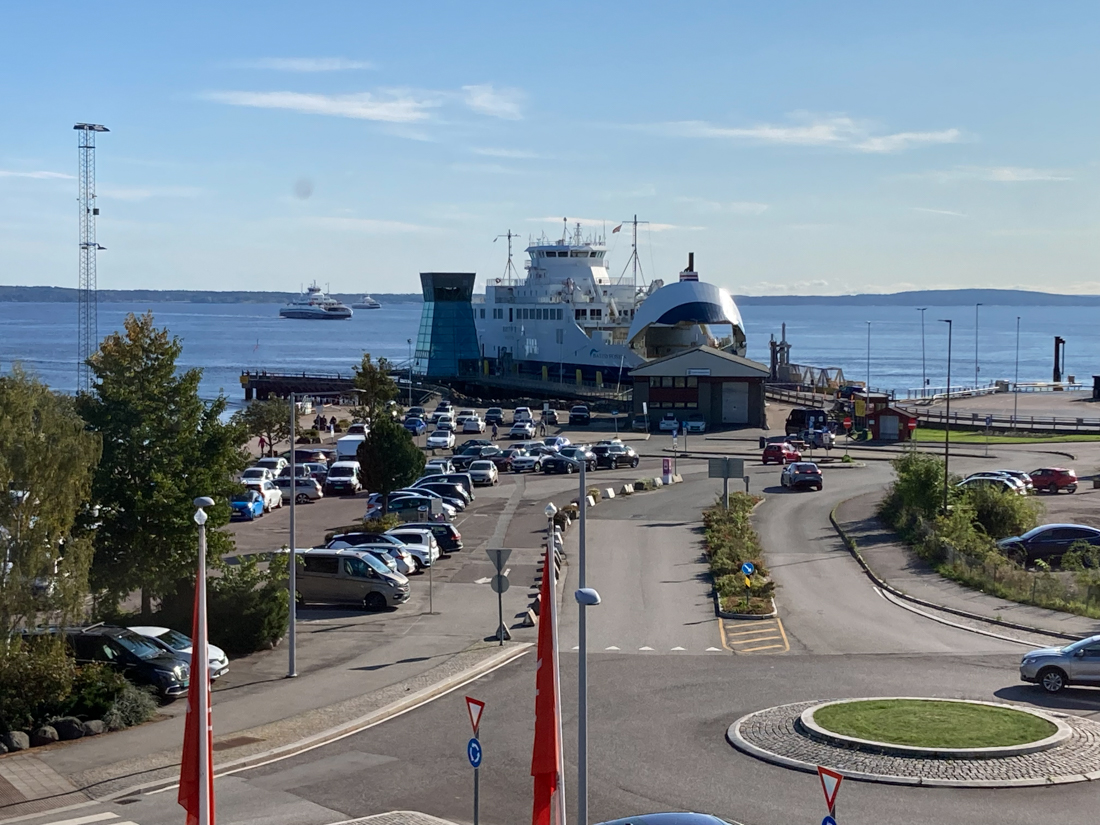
(292,584)
(947,418)
(586,597)
(550,511)
(923,364)
(976,368)
(200,654)
(868,361)
(410,343)
(1016,380)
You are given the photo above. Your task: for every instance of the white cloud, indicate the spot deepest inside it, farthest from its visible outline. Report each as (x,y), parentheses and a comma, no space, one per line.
(369,225)
(395,108)
(137,193)
(489,168)
(841,132)
(486,99)
(998,174)
(304,64)
(732,207)
(793,288)
(512,154)
(6,173)
(940,212)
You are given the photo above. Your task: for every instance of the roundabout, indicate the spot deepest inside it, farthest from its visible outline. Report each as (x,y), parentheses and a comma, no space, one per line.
(929,742)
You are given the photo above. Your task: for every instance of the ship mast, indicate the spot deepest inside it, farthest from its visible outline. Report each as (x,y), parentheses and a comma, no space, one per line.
(634,262)
(510,268)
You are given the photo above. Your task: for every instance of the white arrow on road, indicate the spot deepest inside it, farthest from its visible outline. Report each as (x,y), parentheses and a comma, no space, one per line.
(485,580)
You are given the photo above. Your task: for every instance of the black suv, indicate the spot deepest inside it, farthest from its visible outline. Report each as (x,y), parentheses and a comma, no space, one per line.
(494,415)
(463,460)
(446,534)
(139,659)
(580,416)
(612,456)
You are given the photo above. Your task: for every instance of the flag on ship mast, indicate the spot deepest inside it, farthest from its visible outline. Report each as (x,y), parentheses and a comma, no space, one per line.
(546,755)
(616,229)
(196,789)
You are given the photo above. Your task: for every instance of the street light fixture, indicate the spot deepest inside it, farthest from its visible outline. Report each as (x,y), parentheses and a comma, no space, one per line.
(923,364)
(947,417)
(550,511)
(1016,380)
(868,361)
(976,368)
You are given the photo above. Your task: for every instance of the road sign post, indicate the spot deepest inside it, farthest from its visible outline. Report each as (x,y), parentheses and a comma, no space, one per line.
(423,510)
(830,784)
(499,556)
(473,748)
(725,469)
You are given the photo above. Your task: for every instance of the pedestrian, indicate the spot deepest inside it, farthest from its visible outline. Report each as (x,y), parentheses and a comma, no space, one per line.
(494,432)
(263,443)
(542,427)
(332,423)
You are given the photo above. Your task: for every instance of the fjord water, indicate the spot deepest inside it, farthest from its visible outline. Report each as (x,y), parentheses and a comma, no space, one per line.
(225,339)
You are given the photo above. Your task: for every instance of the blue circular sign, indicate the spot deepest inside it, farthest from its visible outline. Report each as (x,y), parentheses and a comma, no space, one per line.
(473,751)
(748,568)
(828,821)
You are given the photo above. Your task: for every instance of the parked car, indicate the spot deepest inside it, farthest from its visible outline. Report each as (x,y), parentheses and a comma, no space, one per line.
(550,417)
(555,442)
(695,423)
(462,479)
(462,416)
(441,440)
(1048,542)
(420,541)
(416,426)
(1017,485)
(450,540)
(274,464)
(300,470)
(801,474)
(1019,475)
(452,493)
(271,494)
(1054,479)
(580,416)
(343,478)
(473,424)
(1002,483)
(139,659)
(471,454)
(522,414)
(579,453)
(531,460)
(1052,668)
(444,408)
(640,424)
(246,505)
(257,474)
(612,456)
(176,643)
(308,455)
(522,429)
(305,489)
(557,463)
(318,471)
(781,453)
(503,459)
(669,424)
(408,503)
(473,442)
(801,419)
(494,415)
(405,557)
(349,576)
(439,465)
(445,422)
(484,471)
(416,412)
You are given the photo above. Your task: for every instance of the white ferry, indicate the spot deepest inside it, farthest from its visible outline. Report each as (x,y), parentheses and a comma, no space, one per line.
(366,302)
(313,303)
(570,320)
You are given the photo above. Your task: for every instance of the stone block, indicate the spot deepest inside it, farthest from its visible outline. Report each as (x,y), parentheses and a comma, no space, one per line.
(591,501)
(45,735)
(68,727)
(530,619)
(16,740)
(95,727)
(627,489)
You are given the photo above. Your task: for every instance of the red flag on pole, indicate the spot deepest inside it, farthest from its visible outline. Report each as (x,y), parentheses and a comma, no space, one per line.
(616,229)
(196,790)
(546,755)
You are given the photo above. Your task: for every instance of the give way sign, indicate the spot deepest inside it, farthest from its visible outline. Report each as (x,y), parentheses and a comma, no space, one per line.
(474,708)
(830,784)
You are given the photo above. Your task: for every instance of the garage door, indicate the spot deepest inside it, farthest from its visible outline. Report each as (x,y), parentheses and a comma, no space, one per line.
(888,427)
(735,403)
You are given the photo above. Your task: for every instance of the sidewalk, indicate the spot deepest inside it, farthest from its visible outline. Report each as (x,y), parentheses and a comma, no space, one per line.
(900,567)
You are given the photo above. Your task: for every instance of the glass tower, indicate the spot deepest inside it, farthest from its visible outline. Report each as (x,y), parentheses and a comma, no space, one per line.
(446,345)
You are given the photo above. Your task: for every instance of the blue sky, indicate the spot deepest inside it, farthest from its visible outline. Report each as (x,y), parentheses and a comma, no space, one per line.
(795,148)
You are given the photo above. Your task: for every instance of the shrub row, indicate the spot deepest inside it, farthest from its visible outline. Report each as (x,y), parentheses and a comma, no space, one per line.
(730,542)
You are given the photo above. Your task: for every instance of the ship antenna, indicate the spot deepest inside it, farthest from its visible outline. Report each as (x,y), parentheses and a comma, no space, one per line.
(510,268)
(564,230)
(635,262)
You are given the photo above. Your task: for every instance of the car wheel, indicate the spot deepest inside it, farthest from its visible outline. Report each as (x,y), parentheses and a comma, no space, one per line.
(569,469)
(418,565)
(1052,487)
(1071,488)
(634,463)
(614,464)
(374,601)
(818,488)
(301,498)
(1052,680)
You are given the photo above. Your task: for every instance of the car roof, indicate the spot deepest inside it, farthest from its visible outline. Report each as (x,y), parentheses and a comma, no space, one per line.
(1043,527)
(149,630)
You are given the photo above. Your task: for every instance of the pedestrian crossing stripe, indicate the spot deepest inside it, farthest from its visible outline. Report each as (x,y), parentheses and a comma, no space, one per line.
(739,636)
(86,820)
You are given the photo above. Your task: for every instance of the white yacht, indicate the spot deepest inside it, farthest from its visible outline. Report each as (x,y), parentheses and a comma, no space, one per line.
(570,320)
(366,302)
(313,303)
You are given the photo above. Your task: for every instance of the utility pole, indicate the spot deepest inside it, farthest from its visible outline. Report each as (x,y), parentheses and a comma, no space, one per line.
(947,418)
(1016,381)
(923,364)
(976,368)
(87,326)
(868,362)
(292,586)
(410,343)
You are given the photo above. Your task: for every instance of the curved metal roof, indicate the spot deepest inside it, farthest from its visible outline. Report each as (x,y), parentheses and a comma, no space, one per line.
(694,302)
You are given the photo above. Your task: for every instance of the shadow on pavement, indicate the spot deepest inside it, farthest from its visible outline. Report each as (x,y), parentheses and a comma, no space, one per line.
(1069,699)
(398,662)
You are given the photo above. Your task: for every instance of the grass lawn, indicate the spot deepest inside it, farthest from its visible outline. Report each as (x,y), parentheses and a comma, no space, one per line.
(932,724)
(931,434)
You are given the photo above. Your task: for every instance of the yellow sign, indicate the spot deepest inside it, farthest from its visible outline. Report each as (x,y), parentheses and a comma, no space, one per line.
(747,582)
(860,407)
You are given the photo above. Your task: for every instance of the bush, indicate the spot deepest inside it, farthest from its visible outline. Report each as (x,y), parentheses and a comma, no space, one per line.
(95,689)
(595,493)
(1002,513)
(917,492)
(730,538)
(247,607)
(133,706)
(36,678)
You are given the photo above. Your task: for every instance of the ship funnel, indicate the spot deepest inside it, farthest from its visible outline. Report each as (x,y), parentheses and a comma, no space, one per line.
(690,274)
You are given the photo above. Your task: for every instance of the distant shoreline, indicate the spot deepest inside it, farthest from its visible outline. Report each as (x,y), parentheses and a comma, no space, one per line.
(932,297)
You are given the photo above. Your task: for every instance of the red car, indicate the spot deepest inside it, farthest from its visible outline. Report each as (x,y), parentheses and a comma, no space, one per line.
(780,453)
(1054,479)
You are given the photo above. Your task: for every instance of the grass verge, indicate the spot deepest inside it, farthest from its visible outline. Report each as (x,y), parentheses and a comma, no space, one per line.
(928,723)
(934,435)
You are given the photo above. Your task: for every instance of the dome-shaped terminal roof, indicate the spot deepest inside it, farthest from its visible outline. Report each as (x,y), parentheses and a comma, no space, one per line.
(686,302)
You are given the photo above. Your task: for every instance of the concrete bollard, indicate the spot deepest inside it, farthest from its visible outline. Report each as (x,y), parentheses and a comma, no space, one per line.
(530,619)
(609,493)
(628,489)
(658,483)
(591,501)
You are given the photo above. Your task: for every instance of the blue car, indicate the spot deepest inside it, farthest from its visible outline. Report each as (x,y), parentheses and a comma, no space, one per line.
(416,426)
(247,505)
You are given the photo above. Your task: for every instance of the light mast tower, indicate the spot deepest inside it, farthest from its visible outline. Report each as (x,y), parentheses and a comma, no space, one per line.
(87,332)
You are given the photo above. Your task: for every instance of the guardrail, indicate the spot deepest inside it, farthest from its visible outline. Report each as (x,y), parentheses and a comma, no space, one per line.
(1036,423)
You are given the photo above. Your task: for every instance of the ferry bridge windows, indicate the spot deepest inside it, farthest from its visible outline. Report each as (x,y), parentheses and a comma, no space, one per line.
(483,312)
(498,313)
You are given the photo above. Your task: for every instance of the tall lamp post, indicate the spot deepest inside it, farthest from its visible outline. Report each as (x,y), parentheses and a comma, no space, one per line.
(292,584)
(976,368)
(410,343)
(200,653)
(947,418)
(1016,380)
(923,364)
(586,597)
(868,361)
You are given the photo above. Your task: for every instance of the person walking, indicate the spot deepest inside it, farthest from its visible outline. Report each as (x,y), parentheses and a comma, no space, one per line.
(494,432)
(263,443)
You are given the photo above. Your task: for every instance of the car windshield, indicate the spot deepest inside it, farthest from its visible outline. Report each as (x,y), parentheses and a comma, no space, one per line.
(175,640)
(255,472)
(138,645)
(341,472)
(1091,640)
(241,498)
(481,465)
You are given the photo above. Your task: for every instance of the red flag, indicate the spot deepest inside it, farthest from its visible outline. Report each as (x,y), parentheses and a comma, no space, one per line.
(616,229)
(196,790)
(546,755)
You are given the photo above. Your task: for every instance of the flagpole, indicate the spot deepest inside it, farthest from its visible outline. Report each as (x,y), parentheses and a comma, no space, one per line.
(552,569)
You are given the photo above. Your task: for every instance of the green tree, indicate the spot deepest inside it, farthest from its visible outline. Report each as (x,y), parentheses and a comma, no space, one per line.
(163,446)
(1001,513)
(268,419)
(388,458)
(375,387)
(46,463)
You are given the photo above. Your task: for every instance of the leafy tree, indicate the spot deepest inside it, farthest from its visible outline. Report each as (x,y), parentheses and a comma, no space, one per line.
(1002,513)
(163,446)
(388,458)
(376,387)
(269,419)
(46,463)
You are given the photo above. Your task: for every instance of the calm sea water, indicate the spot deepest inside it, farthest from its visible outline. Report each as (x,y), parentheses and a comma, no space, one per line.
(225,339)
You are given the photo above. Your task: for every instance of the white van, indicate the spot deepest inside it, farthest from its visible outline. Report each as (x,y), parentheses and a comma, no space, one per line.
(347,447)
(522,414)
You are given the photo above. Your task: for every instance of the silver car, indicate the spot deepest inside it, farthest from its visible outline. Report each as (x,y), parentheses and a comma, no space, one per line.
(1055,667)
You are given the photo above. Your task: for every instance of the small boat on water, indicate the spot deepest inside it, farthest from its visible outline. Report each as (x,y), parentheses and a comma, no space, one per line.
(313,303)
(366,302)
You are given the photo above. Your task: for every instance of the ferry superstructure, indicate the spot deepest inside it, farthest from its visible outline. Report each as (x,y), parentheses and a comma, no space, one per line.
(569,319)
(315,304)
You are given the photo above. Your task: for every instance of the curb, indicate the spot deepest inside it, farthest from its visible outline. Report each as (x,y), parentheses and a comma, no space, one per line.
(889,588)
(734,738)
(742,616)
(369,720)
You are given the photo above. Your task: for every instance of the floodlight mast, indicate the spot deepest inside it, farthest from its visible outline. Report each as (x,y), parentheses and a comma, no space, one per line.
(87,312)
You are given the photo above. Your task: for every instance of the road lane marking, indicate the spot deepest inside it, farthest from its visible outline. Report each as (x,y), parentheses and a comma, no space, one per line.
(484,580)
(83,820)
(765,647)
(645,648)
(611,648)
(679,648)
(738,638)
(713,650)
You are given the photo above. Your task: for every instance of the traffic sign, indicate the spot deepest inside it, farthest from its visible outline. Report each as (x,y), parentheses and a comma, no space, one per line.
(473,752)
(666,466)
(499,584)
(499,557)
(828,820)
(748,568)
(830,784)
(847,423)
(474,708)
(989,421)
(912,423)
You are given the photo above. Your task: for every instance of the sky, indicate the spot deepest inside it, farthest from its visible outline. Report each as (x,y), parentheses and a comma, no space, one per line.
(795,148)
